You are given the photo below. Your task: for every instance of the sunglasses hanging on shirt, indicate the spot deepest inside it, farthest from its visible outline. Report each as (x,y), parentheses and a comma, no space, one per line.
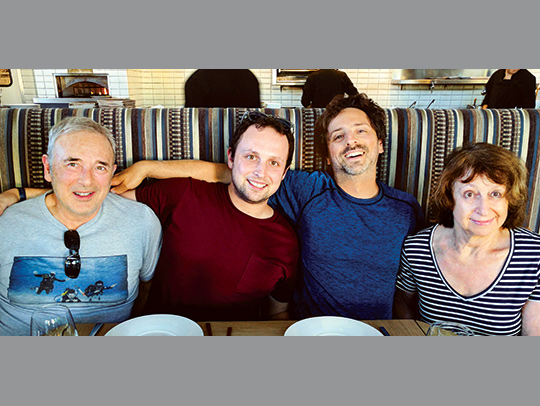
(72,264)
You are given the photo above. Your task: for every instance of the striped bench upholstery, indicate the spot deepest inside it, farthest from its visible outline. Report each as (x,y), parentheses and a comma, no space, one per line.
(418,141)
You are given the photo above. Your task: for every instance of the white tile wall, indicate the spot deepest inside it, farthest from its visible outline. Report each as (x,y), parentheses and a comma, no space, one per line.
(165,87)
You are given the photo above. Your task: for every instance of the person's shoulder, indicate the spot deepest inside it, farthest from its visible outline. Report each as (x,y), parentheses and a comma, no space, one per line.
(127,207)
(397,194)
(529,235)
(314,182)
(421,236)
(282,221)
(302,176)
(29,207)
(526,72)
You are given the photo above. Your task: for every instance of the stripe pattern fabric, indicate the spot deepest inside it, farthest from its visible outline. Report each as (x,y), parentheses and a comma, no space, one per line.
(496,310)
(418,140)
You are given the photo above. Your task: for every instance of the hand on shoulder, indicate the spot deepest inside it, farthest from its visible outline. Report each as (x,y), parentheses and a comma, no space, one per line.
(8,198)
(129,178)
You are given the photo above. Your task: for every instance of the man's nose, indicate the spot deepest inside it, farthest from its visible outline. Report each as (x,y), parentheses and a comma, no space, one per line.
(85,176)
(351,138)
(260,169)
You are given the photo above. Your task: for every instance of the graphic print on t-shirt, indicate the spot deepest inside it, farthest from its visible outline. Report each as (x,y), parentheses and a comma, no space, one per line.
(40,280)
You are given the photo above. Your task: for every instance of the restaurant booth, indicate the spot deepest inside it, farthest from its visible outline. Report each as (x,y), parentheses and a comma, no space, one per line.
(418,140)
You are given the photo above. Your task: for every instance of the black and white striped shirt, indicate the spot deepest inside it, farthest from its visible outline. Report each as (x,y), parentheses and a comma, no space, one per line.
(494,311)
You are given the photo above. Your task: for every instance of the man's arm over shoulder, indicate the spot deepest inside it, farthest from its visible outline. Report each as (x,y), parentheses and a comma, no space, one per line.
(297,189)
(11,196)
(132,177)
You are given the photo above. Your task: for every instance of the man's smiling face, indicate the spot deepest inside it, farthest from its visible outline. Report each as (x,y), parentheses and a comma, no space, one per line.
(353,146)
(80,172)
(259,165)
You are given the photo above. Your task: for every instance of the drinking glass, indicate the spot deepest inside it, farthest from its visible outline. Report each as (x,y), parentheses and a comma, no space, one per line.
(448,328)
(53,320)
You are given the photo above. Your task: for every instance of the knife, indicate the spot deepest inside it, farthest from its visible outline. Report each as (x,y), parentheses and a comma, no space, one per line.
(95,329)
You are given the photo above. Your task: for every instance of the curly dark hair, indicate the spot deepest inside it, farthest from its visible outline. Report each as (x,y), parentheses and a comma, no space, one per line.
(361,101)
(498,164)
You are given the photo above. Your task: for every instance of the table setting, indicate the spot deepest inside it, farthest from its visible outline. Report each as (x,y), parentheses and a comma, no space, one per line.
(172,325)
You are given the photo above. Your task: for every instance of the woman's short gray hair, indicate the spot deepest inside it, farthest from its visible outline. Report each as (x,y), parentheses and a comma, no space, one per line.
(74,125)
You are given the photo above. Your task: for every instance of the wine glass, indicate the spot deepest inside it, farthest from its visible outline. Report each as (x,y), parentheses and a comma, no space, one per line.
(53,320)
(449,328)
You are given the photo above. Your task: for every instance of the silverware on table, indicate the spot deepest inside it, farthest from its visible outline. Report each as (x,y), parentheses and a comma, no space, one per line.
(384,331)
(95,329)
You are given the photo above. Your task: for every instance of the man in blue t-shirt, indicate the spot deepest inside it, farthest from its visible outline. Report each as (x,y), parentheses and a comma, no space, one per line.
(351,226)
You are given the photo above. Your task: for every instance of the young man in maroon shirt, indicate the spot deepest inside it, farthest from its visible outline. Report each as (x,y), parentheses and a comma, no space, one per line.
(226,254)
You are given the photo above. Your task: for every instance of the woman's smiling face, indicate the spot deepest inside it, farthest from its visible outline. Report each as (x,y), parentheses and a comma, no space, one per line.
(480,206)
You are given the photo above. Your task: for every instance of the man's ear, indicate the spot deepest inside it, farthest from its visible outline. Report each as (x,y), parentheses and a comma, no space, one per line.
(46,168)
(381,147)
(229,158)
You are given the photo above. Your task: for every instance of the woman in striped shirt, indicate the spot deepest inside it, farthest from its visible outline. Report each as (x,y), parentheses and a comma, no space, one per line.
(476,266)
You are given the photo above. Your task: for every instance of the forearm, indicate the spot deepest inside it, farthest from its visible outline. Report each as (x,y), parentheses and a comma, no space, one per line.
(405,305)
(202,170)
(132,177)
(11,196)
(274,310)
(531,319)
(142,298)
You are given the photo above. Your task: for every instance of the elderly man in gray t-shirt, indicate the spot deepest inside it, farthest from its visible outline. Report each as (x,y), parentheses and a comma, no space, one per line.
(77,245)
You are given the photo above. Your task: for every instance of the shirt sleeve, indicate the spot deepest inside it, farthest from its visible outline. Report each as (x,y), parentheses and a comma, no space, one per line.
(163,196)
(152,245)
(284,289)
(489,87)
(405,279)
(527,91)
(307,93)
(296,190)
(349,87)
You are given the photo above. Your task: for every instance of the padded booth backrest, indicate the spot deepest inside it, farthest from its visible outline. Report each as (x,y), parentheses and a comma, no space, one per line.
(418,141)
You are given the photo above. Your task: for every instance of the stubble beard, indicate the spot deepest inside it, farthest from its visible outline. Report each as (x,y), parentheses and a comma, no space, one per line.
(241,191)
(341,165)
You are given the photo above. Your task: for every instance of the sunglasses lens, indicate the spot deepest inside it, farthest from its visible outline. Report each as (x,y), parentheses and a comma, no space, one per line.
(254,115)
(72,240)
(72,266)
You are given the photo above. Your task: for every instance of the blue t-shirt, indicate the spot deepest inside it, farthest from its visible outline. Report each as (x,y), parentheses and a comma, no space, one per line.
(350,248)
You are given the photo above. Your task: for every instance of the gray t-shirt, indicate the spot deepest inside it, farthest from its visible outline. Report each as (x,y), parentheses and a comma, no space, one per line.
(117,247)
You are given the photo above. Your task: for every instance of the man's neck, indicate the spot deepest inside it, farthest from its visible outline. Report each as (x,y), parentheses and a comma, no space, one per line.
(257,210)
(70,222)
(362,186)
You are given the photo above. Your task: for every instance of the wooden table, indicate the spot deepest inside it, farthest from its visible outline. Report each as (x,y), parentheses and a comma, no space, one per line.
(276,327)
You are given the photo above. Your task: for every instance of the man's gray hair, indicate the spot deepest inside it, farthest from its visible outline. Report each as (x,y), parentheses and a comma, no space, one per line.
(77,124)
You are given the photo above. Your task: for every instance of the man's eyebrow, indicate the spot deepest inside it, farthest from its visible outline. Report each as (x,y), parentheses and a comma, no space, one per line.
(353,125)
(276,157)
(73,159)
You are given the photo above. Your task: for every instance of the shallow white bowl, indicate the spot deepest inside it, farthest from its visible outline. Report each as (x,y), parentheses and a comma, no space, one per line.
(331,326)
(157,325)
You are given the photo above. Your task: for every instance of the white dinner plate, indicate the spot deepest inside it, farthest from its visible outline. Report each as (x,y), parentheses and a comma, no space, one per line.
(157,325)
(331,326)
